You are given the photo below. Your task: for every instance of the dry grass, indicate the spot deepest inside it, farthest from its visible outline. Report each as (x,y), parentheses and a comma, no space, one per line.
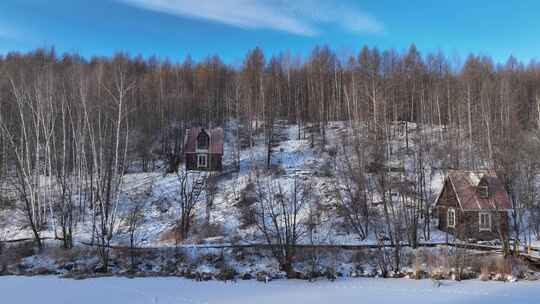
(500,267)
(207,230)
(485,273)
(438,262)
(65,255)
(198,232)
(170,236)
(504,265)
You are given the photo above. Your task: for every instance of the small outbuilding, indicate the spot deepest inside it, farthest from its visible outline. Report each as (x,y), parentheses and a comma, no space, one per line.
(473,205)
(203,149)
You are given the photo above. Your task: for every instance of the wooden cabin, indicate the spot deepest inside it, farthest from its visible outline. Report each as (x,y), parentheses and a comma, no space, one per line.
(203,149)
(473,205)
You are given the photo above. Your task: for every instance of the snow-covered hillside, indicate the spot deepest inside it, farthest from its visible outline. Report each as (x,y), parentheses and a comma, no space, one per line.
(294,157)
(298,155)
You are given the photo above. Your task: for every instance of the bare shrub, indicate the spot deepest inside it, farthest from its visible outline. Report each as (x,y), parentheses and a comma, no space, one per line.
(65,255)
(13,253)
(438,263)
(417,264)
(500,268)
(277,212)
(227,274)
(327,169)
(191,187)
(248,198)
(207,230)
(277,170)
(503,266)
(361,257)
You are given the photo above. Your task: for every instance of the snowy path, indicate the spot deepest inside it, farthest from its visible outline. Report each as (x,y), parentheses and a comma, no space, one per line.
(45,290)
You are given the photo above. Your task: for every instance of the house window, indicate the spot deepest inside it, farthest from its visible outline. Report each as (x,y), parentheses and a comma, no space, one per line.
(203,141)
(484,191)
(202,161)
(485,221)
(451,218)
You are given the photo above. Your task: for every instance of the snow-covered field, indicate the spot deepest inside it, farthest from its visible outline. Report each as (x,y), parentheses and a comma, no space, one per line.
(53,290)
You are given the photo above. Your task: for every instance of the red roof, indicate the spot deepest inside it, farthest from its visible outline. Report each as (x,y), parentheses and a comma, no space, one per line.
(216,140)
(465,185)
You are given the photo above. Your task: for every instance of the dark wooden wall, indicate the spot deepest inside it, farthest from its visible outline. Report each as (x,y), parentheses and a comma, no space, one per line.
(446,200)
(468,222)
(214,162)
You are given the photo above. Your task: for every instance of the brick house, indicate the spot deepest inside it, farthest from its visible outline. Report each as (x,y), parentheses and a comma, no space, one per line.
(203,149)
(473,205)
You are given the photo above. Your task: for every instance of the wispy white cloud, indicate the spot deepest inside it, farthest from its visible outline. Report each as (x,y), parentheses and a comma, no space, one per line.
(301,17)
(349,18)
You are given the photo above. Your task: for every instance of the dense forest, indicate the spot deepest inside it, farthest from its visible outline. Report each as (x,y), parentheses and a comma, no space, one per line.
(86,122)
(481,103)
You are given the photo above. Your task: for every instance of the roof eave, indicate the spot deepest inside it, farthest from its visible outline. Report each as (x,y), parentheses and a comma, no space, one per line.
(456,193)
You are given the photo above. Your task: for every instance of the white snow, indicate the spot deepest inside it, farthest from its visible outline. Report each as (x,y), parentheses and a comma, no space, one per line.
(53,290)
(475,179)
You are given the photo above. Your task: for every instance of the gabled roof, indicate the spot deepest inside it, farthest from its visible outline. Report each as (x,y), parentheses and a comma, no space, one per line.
(216,140)
(465,185)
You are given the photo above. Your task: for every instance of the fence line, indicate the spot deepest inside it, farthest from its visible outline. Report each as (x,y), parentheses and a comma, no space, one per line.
(472,246)
(534,260)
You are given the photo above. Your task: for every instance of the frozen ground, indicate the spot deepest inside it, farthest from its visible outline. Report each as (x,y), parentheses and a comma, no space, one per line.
(52,290)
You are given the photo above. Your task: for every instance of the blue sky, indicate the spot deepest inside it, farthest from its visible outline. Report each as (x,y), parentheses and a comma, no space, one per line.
(174,28)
